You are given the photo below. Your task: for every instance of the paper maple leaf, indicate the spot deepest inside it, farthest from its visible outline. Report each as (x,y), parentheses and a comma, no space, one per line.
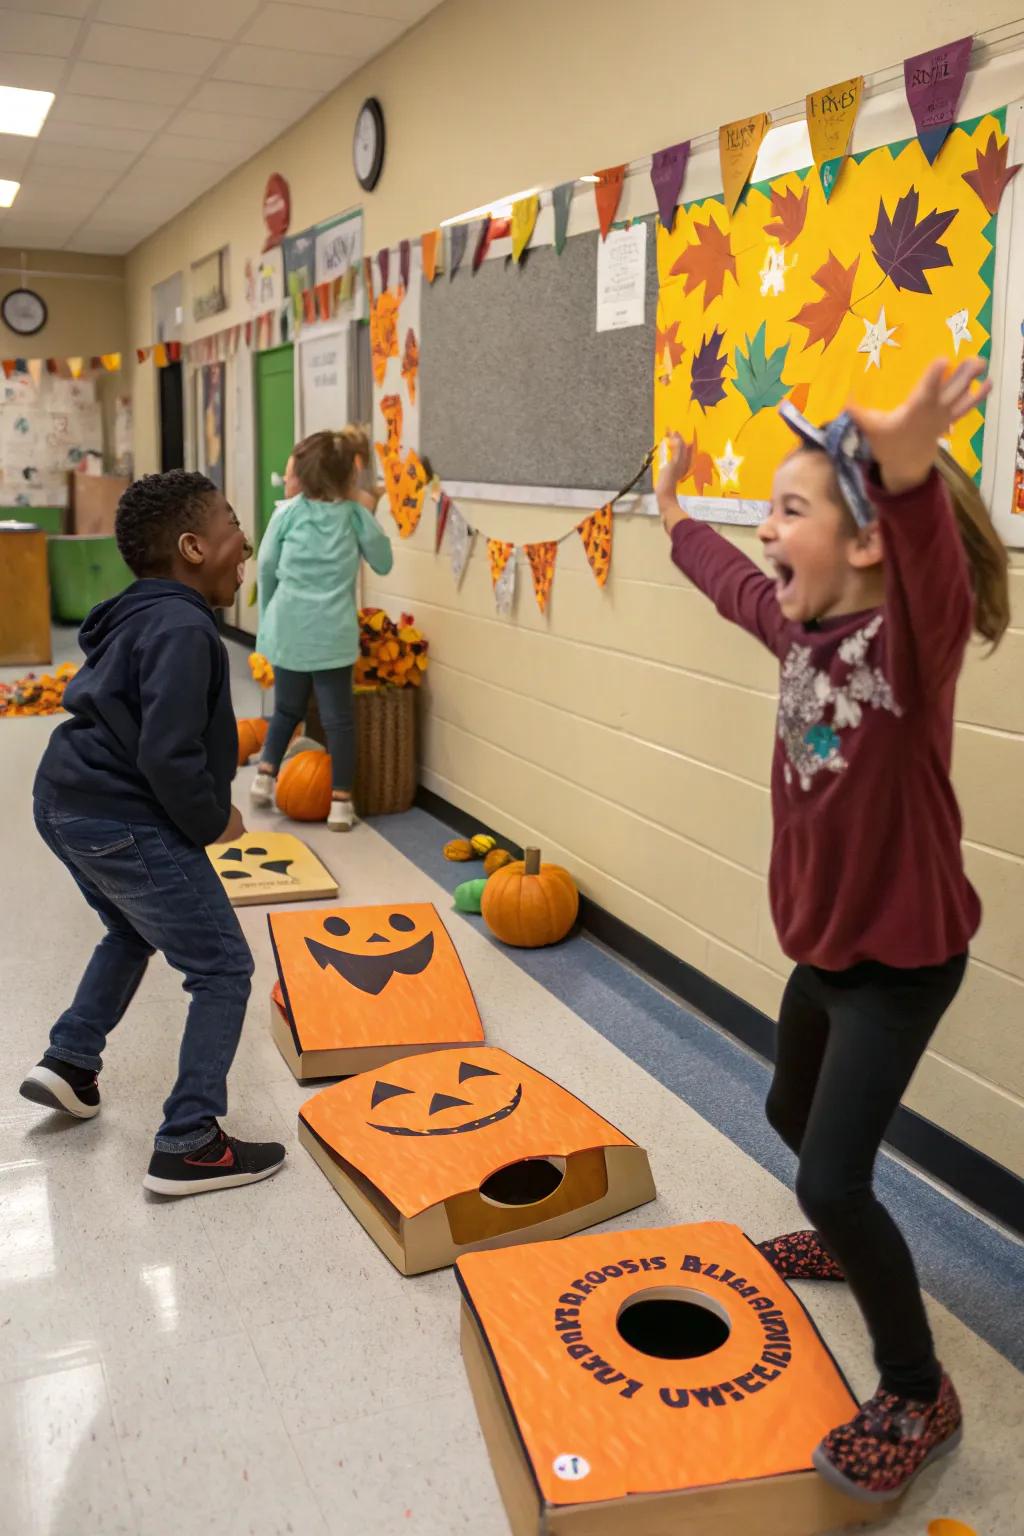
(790,215)
(991,176)
(759,375)
(667,341)
(824,316)
(906,247)
(706,262)
(706,385)
(702,470)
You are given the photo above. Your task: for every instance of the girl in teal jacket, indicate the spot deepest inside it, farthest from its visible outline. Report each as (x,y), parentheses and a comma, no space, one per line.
(309,625)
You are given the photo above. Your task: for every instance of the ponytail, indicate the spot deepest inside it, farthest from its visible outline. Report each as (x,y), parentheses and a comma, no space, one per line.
(985,551)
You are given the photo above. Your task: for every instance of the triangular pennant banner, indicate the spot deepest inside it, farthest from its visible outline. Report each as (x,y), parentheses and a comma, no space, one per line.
(368,278)
(607,192)
(561,202)
(53,366)
(384,266)
(596,533)
(35,369)
(76,364)
(444,502)
(459,236)
(8,367)
(542,565)
(308,305)
(142,354)
(668,168)
(460,542)
(524,218)
(934,81)
(831,114)
(111,361)
(738,144)
(404,262)
(323,300)
(483,241)
(428,247)
(174,351)
(503,574)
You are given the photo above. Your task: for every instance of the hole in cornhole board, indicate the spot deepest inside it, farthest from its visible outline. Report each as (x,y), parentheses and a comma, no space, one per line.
(672,1323)
(525,1182)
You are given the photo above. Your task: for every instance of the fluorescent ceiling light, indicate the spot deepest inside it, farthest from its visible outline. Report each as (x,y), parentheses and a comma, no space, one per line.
(590,178)
(23,112)
(8,192)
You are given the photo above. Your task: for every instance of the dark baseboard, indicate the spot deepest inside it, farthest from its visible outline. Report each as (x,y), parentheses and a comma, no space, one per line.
(232,632)
(966,1171)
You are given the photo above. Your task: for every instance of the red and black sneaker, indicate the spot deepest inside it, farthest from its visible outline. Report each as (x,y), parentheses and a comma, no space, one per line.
(59,1085)
(800,1256)
(879,1453)
(223,1163)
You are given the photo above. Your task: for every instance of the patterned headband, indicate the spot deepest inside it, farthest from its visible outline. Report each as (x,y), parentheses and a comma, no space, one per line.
(842,441)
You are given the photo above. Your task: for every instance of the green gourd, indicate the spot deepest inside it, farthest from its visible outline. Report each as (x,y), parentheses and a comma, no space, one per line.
(468,895)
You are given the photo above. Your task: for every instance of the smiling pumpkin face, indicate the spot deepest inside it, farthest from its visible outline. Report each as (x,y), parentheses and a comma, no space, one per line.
(476,1098)
(368,954)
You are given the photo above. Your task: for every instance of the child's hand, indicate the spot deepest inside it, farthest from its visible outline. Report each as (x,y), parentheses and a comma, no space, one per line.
(904,442)
(675,467)
(235,827)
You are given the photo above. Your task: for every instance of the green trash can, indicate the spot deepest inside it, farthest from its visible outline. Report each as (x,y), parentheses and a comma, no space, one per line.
(84,569)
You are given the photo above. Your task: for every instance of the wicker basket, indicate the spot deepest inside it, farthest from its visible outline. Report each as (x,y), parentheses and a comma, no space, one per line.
(385,749)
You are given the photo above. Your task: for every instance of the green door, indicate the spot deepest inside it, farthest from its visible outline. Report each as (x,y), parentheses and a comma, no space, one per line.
(275,426)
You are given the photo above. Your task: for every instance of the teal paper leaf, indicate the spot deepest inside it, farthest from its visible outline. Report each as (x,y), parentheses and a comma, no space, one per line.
(758,376)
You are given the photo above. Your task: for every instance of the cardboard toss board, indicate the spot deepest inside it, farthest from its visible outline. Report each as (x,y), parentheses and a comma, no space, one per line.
(459,1150)
(655,1382)
(362,986)
(263,868)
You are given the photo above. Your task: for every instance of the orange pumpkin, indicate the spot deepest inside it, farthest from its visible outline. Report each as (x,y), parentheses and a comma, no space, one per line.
(529,904)
(304,787)
(251,736)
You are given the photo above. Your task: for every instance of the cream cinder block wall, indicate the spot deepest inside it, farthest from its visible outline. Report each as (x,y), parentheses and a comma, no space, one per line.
(629,732)
(84,297)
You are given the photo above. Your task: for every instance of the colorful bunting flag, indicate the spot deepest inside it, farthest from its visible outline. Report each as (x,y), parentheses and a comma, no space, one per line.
(503,574)
(483,241)
(460,542)
(934,81)
(542,566)
(174,351)
(596,533)
(561,202)
(524,218)
(428,247)
(668,167)
(142,354)
(459,234)
(607,192)
(308,305)
(248,333)
(831,114)
(444,502)
(404,262)
(323,300)
(738,144)
(76,364)
(368,278)
(384,266)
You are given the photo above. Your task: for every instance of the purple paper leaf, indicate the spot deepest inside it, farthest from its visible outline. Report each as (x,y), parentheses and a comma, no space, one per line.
(905,247)
(706,384)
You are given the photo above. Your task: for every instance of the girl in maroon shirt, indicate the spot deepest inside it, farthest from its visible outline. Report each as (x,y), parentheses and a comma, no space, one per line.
(884,560)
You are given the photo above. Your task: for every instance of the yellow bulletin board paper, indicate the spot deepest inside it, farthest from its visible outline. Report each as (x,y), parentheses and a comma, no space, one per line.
(264,868)
(821,301)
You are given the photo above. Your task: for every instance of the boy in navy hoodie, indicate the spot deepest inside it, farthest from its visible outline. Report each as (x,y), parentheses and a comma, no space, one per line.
(130,790)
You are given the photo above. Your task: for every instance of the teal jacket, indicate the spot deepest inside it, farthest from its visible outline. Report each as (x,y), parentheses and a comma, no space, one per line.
(308,565)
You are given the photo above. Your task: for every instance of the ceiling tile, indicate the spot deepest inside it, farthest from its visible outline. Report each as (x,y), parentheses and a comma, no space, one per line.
(402,10)
(280,66)
(56,203)
(31,71)
(347,36)
(42,234)
(34,32)
(95,138)
(81,154)
(179,147)
(221,96)
(128,84)
(132,48)
(71,178)
(249,132)
(193,18)
(15,151)
(99,113)
(53,7)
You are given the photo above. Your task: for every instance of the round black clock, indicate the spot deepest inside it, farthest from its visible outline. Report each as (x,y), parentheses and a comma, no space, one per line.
(23,311)
(368,144)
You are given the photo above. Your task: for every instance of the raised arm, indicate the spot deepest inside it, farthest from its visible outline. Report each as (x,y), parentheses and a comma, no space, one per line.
(374,544)
(269,558)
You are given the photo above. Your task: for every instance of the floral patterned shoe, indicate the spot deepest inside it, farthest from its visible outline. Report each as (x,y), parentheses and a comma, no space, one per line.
(878,1454)
(800,1256)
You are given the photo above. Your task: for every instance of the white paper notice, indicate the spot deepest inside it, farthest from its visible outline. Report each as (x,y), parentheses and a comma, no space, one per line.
(622,278)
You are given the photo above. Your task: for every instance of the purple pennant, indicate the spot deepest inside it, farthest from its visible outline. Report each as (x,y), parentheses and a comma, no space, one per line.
(483,242)
(384,264)
(459,236)
(934,81)
(667,171)
(404,258)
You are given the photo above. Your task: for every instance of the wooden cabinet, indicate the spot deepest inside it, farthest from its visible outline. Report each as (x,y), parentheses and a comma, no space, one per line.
(24,597)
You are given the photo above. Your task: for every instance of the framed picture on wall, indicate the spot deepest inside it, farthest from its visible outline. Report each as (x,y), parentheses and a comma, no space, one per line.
(210,426)
(210,284)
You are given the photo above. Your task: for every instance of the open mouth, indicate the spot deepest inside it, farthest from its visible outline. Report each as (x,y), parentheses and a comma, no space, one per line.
(785,580)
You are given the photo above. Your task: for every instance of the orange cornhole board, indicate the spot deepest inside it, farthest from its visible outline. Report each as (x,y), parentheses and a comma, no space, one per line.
(591,1433)
(362,986)
(442,1154)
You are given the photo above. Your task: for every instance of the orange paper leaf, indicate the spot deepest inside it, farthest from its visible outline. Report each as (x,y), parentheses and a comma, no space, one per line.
(706,262)
(790,215)
(991,176)
(411,363)
(383,333)
(823,318)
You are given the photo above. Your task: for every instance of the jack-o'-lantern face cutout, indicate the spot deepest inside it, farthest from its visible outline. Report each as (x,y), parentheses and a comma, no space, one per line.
(367,955)
(231,864)
(478,1098)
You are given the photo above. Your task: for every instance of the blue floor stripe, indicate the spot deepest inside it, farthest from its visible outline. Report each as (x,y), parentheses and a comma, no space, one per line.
(967,1265)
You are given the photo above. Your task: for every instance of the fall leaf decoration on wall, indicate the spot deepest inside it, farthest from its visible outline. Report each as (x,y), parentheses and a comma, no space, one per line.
(668,350)
(707,262)
(411,363)
(991,176)
(706,383)
(542,565)
(790,214)
(906,247)
(759,374)
(824,316)
(412,484)
(596,533)
(391,410)
(383,333)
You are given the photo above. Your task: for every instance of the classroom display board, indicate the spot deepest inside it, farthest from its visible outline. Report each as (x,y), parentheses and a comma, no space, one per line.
(822,302)
(519,386)
(46,429)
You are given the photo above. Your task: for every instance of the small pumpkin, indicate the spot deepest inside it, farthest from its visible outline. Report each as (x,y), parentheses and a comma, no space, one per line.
(459,850)
(529,904)
(304,787)
(468,895)
(482,843)
(497,859)
(251,736)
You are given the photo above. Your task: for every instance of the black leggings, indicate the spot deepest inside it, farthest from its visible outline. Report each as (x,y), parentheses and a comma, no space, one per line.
(334,700)
(848,1043)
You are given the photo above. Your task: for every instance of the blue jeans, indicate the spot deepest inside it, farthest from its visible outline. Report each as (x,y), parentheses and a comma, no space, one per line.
(334,700)
(154,890)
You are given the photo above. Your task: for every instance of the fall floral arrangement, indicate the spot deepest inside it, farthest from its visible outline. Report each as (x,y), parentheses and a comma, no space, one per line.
(391,655)
(32,695)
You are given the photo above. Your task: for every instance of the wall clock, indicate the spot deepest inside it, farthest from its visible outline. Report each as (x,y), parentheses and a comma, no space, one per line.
(368,144)
(23,311)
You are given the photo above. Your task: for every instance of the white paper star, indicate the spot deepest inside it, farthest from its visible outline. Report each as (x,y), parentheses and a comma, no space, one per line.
(729,466)
(877,336)
(773,273)
(958,329)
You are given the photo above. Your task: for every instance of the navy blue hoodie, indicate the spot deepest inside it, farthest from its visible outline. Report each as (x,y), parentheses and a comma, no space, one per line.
(152,734)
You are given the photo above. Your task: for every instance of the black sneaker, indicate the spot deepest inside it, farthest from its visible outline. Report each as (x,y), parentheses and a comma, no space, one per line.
(59,1085)
(224,1163)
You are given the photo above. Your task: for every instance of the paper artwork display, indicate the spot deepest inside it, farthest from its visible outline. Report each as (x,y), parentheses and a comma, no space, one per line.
(45,431)
(934,81)
(831,114)
(738,144)
(212,423)
(323,381)
(821,303)
(460,542)
(622,278)
(395,352)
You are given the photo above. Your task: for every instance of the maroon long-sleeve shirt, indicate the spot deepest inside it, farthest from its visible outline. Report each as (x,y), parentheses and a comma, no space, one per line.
(866,861)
